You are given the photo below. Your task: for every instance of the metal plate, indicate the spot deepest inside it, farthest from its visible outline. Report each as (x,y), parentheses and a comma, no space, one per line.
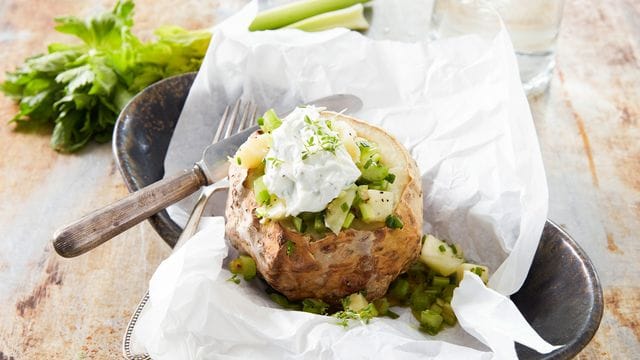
(561,297)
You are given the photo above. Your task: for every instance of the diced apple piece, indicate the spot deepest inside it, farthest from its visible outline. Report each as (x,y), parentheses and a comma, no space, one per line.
(377,206)
(251,153)
(481,271)
(440,257)
(357,302)
(338,209)
(348,136)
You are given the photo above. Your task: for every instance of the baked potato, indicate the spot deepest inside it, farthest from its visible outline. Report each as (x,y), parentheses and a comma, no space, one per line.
(362,256)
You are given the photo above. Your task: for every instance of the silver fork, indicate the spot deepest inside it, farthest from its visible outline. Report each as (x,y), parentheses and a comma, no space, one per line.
(228,127)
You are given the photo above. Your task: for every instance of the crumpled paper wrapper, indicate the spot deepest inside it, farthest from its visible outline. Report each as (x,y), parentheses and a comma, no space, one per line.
(456,104)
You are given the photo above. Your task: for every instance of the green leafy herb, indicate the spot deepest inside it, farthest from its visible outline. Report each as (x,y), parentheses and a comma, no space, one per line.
(80,89)
(275,161)
(364,315)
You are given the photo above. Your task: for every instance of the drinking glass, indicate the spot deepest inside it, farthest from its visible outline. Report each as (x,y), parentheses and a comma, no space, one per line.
(532,24)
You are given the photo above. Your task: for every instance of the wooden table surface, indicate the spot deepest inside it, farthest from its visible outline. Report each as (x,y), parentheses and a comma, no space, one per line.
(589,128)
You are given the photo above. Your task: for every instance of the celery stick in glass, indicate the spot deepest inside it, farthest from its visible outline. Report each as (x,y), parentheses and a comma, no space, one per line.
(290,13)
(350,18)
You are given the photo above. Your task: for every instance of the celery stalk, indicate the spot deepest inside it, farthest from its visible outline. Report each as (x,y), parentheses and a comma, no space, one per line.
(290,13)
(350,18)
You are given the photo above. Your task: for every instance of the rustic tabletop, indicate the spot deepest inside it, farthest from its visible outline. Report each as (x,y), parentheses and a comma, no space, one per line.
(588,124)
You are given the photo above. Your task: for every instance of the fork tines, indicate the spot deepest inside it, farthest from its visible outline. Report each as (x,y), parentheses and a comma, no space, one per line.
(230,118)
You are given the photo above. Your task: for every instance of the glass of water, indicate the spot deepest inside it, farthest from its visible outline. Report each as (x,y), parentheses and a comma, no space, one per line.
(532,24)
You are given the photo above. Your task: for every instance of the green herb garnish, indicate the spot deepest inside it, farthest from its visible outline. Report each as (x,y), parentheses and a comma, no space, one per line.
(394,222)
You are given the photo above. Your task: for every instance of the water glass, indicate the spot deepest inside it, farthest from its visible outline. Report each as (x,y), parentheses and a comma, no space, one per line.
(532,24)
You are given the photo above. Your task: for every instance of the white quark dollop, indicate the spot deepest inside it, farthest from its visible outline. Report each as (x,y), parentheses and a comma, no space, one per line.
(299,170)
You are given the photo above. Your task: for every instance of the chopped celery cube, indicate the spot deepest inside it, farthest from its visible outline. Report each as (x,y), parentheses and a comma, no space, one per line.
(421,300)
(318,223)
(431,320)
(270,121)
(440,281)
(260,191)
(374,172)
(298,224)
(348,220)
(448,315)
(436,308)
(399,289)
(390,178)
(382,305)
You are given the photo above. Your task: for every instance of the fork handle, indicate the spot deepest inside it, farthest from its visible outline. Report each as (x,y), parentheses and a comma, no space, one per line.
(101,225)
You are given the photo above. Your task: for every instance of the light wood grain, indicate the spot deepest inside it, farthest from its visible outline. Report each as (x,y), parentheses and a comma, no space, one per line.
(103,224)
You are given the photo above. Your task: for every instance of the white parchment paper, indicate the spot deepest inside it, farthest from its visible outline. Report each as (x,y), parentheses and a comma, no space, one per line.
(456,104)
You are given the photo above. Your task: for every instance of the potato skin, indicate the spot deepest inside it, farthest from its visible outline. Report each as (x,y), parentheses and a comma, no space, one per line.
(335,266)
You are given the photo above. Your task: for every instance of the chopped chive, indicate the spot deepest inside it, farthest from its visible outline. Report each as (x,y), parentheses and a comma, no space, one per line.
(477,270)
(394,222)
(454,249)
(344,207)
(390,178)
(442,248)
(392,314)
(238,160)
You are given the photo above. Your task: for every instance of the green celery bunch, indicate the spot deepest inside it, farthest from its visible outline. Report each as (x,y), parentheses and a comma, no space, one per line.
(80,89)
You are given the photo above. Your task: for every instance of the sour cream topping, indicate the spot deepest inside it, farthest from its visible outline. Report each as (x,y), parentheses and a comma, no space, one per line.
(307,165)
